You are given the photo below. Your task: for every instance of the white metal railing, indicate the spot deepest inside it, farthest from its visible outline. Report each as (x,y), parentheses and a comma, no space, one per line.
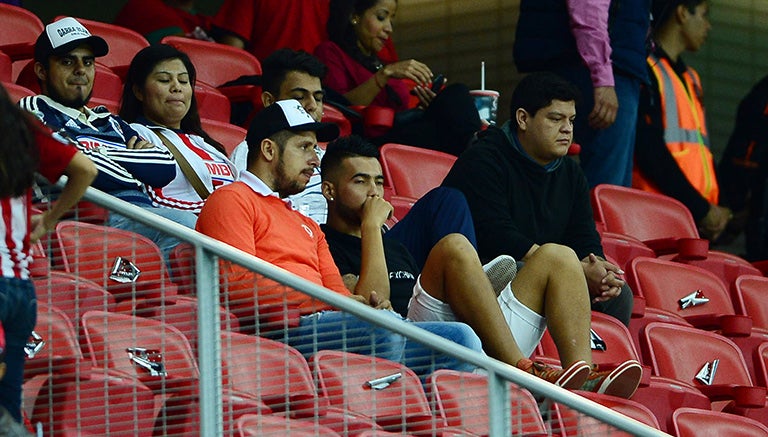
(209,251)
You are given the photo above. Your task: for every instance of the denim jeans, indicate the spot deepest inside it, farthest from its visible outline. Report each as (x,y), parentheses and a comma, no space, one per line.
(440,212)
(164,241)
(606,154)
(342,331)
(18,313)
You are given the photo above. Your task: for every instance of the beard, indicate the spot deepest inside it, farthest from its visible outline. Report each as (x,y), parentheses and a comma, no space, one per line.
(75,102)
(285,185)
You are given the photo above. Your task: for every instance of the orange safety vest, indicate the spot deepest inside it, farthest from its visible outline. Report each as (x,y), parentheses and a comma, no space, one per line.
(685,130)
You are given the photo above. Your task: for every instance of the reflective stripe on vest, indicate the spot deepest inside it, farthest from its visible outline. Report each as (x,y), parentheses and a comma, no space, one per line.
(684,133)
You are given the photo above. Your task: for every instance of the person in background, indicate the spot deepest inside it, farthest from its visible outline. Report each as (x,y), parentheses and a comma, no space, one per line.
(255,216)
(25,148)
(600,46)
(524,192)
(743,172)
(159,102)
(508,312)
(156,19)
(65,56)
(672,155)
(445,119)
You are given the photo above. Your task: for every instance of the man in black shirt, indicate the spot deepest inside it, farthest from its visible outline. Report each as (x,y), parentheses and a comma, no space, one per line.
(524,193)
(453,284)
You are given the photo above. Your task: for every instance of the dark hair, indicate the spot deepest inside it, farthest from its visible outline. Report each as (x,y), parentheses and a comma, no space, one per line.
(18,150)
(141,67)
(538,90)
(341,32)
(345,147)
(662,10)
(283,61)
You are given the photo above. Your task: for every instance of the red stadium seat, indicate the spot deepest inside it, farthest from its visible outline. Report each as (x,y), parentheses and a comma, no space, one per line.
(692,422)
(6,68)
(399,404)
(253,425)
(752,298)
(284,382)
(462,400)
(173,376)
(211,103)
(17,92)
(227,134)
(71,294)
(688,355)
(413,171)
(20,31)
(573,423)
(92,251)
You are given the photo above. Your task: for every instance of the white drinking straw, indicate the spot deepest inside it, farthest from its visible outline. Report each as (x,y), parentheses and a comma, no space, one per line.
(482,75)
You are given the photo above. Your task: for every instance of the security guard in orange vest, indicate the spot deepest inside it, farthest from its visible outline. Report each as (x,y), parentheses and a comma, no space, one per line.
(672,154)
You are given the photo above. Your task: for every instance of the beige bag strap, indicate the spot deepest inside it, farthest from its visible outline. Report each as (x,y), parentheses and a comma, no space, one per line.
(186,168)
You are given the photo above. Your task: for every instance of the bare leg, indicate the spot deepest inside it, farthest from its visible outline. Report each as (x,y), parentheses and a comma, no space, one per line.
(552,283)
(453,273)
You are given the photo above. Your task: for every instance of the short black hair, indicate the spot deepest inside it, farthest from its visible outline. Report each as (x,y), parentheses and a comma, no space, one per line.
(661,10)
(282,61)
(538,90)
(345,147)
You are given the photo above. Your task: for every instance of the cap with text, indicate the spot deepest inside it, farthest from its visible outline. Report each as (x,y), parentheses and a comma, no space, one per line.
(63,36)
(287,115)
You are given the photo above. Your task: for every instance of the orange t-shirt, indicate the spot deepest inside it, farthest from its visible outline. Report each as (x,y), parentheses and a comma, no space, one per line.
(267,227)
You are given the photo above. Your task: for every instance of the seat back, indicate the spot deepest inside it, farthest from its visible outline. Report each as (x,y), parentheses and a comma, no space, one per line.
(272,371)
(17,92)
(574,423)
(91,252)
(216,64)
(616,341)
(182,263)
(751,298)
(72,295)
(413,171)
(229,135)
(693,422)
(6,68)
(462,399)
(109,336)
(640,214)
(680,353)
(623,249)
(663,283)
(19,25)
(333,115)
(343,379)
(257,425)
(60,354)
(123,43)
(211,103)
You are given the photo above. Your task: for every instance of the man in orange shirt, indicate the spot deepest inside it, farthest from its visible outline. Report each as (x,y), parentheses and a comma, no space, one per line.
(254,215)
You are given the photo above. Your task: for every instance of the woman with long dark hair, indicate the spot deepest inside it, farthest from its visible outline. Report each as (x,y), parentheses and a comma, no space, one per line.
(358,29)
(159,102)
(26,147)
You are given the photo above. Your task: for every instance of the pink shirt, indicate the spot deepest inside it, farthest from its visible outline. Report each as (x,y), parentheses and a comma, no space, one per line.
(346,74)
(589,26)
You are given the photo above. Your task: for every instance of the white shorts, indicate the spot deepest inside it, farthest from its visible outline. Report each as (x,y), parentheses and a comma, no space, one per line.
(526,325)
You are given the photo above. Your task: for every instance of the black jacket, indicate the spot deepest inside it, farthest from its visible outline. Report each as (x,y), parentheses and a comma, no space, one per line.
(515,202)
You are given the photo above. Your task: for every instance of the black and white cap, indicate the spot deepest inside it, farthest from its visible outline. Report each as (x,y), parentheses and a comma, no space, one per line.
(287,115)
(63,36)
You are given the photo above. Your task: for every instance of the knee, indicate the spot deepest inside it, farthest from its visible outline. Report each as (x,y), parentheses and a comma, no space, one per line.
(558,255)
(455,248)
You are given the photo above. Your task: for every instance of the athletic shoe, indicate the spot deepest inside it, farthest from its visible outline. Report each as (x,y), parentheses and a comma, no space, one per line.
(501,271)
(571,378)
(621,381)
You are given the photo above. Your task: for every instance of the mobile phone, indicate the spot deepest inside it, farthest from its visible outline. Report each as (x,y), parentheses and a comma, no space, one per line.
(437,83)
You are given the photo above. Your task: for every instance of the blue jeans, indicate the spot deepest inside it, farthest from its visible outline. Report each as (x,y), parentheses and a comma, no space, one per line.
(342,331)
(164,241)
(606,154)
(440,212)
(18,313)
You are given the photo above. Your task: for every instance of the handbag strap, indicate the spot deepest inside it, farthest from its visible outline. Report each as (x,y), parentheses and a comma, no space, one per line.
(186,168)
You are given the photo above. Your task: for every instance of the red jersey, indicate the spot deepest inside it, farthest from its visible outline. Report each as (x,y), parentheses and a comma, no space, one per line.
(15,212)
